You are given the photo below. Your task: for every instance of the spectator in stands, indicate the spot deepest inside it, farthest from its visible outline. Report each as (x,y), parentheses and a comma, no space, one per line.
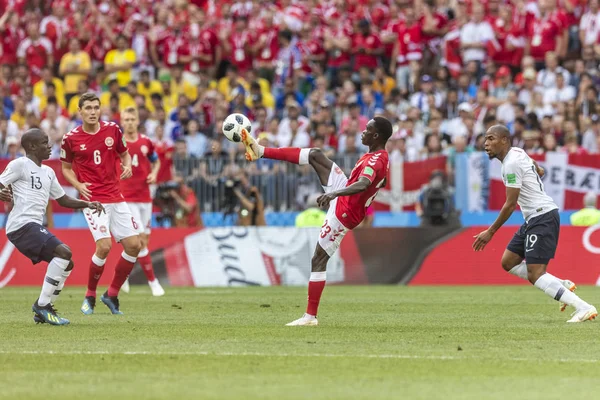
(590,137)
(251,207)
(55,125)
(35,51)
(74,67)
(124,100)
(474,37)
(181,205)
(119,62)
(419,99)
(589,215)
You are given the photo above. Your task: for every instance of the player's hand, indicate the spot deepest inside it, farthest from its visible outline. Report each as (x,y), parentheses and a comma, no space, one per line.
(482,239)
(151,178)
(97,207)
(83,190)
(540,171)
(6,194)
(126,172)
(324,199)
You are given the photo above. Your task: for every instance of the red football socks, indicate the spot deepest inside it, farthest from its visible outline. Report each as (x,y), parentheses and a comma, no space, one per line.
(122,271)
(146,263)
(289,154)
(315,289)
(95,273)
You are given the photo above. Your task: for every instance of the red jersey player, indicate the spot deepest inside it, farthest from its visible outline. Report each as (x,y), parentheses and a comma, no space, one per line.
(348,199)
(144,165)
(89,154)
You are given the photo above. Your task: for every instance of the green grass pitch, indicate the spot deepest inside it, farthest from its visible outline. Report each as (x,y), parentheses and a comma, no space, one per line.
(373,342)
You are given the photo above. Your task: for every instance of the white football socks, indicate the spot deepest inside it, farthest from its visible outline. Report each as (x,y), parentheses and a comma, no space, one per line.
(65,274)
(520,270)
(54,275)
(554,288)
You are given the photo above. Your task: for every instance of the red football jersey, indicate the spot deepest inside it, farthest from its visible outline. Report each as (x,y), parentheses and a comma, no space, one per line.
(136,189)
(94,157)
(351,210)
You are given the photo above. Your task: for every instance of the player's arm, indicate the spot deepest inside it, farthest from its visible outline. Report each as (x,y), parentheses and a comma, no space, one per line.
(5,193)
(510,205)
(357,187)
(11,174)
(540,171)
(125,164)
(513,180)
(69,202)
(57,193)
(512,195)
(81,187)
(155,162)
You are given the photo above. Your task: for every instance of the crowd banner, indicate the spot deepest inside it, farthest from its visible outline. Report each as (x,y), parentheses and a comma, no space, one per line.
(567,178)
(404,184)
(472,181)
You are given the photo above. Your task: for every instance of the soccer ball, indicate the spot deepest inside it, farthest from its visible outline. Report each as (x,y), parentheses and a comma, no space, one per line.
(233,125)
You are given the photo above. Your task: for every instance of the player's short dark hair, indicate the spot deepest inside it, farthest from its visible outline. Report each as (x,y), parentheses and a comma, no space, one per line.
(500,130)
(30,137)
(89,96)
(383,127)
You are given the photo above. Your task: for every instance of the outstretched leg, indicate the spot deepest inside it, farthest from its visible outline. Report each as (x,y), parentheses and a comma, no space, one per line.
(295,155)
(515,264)
(554,288)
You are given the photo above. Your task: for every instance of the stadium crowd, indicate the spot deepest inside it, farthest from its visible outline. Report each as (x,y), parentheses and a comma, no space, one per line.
(307,73)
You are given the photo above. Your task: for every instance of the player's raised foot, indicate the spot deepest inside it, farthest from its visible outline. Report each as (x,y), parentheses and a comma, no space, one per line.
(306,320)
(125,288)
(254,151)
(112,303)
(588,313)
(47,314)
(89,303)
(570,285)
(156,288)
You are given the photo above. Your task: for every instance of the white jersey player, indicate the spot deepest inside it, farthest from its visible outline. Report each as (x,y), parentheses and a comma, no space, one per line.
(30,184)
(537,239)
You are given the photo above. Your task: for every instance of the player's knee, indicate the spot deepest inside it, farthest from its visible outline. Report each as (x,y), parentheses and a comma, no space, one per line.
(133,246)
(508,264)
(70,266)
(319,263)
(103,248)
(63,251)
(315,155)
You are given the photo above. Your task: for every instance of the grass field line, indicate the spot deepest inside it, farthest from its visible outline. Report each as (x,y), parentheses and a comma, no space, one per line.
(311,355)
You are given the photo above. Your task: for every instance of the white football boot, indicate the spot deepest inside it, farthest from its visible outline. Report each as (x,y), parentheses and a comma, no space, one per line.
(584,314)
(306,320)
(125,288)
(156,288)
